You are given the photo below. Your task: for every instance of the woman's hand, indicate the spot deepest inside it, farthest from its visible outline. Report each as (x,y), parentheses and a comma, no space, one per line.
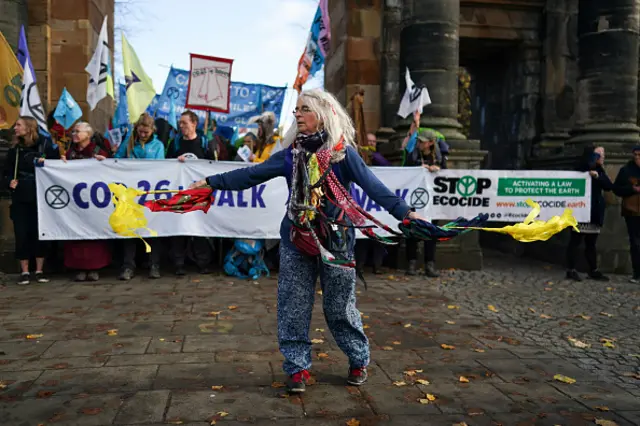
(64,159)
(416,216)
(182,159)
(198,184)
(100,157)
(434,169)
(13,184)
(40,160)
(593,173)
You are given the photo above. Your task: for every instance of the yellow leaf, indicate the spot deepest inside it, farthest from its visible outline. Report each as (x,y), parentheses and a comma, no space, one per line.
(216,387)
(353,422)
(605,422)
(317,341)
(447,347)
(399,383)
(453,307)
(564,379)
(450,322)
(222,414)
(492,308)
(545,316)
(365,326)
(214,313)
(319,292)
(396,342)
(161,339)
(610,289)
(232,307)
(607,343)
(478,350)
(407,325)
(431,397)
(365,316)
(277,385)
(605,314)
(34,336)
(601,408)
(387,348)
(423,401)
(577,343)
(412,373)
(113,332)
(585,317)
(323,355)
(320,330)
(423,382)
(533,311)
(464,379)
(213,422)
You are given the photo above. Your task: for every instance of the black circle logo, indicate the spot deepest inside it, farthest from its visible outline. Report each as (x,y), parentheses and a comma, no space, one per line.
(57,197)
(419,198)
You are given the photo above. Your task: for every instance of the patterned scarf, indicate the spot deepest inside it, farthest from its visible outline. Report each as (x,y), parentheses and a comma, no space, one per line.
(313,183)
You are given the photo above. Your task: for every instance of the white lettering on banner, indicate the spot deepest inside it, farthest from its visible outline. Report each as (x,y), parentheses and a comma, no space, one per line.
(77,193)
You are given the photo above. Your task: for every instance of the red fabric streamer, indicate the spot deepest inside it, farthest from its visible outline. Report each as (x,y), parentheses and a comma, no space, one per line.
(186,201)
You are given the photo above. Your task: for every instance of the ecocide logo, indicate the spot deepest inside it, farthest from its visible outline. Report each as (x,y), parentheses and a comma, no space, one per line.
(465,191)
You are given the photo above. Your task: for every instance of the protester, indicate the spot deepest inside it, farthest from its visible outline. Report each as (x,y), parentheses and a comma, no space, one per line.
(323,128)
(627,186)
(194,142)
(365,246)
(218,145)
(86,257)
(28,150)
(423,150)
(249,140)
(266,136)
(592,161)
(143,144)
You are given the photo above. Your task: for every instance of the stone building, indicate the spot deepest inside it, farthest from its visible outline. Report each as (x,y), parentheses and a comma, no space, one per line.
(61,35)
(546,78)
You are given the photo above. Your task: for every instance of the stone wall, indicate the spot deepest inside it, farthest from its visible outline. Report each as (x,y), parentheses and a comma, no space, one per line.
(14,14)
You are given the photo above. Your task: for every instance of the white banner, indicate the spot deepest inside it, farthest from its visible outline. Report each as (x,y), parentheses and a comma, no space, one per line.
(74,201)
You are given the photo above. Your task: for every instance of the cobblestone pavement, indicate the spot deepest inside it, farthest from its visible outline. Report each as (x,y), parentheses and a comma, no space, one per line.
(202,350)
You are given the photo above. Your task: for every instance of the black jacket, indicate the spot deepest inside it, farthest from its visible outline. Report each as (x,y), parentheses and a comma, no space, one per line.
(598,185)
(628,176)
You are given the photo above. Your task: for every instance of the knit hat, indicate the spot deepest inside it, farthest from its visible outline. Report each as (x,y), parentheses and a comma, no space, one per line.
(635,148)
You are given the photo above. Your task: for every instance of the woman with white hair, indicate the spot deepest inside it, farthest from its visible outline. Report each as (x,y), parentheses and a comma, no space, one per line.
(319,161)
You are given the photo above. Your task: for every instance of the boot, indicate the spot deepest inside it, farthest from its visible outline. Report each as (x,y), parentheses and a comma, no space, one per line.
(412,268)
(430,270)
(572,274)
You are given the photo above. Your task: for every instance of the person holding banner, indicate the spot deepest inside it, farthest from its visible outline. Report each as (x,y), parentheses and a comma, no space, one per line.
(28,150)
(143,144)
(86,257)
(318,234)
(422,149)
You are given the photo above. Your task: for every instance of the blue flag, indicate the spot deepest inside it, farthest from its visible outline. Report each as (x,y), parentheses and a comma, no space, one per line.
(121,116)
(172,114)
(67,111)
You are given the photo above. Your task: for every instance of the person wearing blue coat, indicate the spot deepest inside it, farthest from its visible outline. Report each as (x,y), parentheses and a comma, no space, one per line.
(142,145)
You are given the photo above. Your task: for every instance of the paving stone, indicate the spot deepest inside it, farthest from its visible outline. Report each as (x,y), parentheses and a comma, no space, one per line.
(94,380)
(226,342)
(143,407)
(393,400)
(22,350)
(332,402)
(519,371)
(203,376)
(601,394)
(52,363)
(215,326)
(157,359)
(115,345)
(471,399)
(538,398)
(14,384)
(165,345)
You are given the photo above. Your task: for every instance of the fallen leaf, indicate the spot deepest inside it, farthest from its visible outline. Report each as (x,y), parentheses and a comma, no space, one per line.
(317,341)
(548,289)
(634,355)
(431,397)
(585,317)
(492,308)
(632,375)
(453,307)
(91,411)
(610,289)
(450,322)
(213,422)
(532,310)
(564,379)
(222,414)
(601,408)
(447,347)
(578,344)
(412,373)
(216,387)
(353,422)
(423,382)
(400,383)
(407,325)
(605,422)
(366,326)
(423,401)
(214,313)
(545,316)
(460,424)
(396,342)
(478,350)
(232,307)
(323,355)
(113,332)
(34,336)
(387,348)
(605,314)
(277,385)
(320,330)
(607,343)
(319,292)
(463,379)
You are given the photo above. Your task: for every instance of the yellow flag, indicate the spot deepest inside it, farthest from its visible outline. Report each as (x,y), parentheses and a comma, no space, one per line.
(10,85)
(140,91)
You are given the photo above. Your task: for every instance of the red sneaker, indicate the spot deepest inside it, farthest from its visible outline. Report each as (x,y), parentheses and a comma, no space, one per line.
(357,376)
(297,382)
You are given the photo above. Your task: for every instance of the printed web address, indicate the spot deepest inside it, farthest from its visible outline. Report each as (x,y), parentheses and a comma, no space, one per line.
(543,204)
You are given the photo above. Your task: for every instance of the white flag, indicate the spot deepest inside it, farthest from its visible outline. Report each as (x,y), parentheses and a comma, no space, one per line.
(100,80)
(415,98)
(30,103)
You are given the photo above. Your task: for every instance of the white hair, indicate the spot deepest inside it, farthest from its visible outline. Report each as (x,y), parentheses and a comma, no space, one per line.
(333,119)
(86,127)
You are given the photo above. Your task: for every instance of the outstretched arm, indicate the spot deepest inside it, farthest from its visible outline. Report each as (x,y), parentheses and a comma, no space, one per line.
(246,177)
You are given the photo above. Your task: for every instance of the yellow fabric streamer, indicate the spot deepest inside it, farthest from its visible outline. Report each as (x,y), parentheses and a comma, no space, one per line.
(128,215)
(537,230)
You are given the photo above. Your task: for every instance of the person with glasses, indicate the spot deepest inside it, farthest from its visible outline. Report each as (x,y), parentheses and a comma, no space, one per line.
(319,161)
(627,186)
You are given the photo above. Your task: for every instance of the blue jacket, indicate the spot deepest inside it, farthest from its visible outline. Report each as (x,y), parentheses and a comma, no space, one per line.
(153,150)
(350,169)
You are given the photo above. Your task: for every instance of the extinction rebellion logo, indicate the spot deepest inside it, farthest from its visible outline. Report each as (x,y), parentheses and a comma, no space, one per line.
(465,191)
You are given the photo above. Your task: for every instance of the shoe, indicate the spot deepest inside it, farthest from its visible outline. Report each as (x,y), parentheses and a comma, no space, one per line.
(572,274)
(357,376)
(598,276)
(297,382)
(180,271)
(81,276)
(154,272)
(41,278)
(412,268)
(24,278)
(126,275)
(430,270)
(634,280)
(204,271)
(93,276)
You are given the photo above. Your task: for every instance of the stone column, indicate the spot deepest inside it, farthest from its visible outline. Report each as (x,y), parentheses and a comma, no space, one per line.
(390,62)
(608,84)
(559,74)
